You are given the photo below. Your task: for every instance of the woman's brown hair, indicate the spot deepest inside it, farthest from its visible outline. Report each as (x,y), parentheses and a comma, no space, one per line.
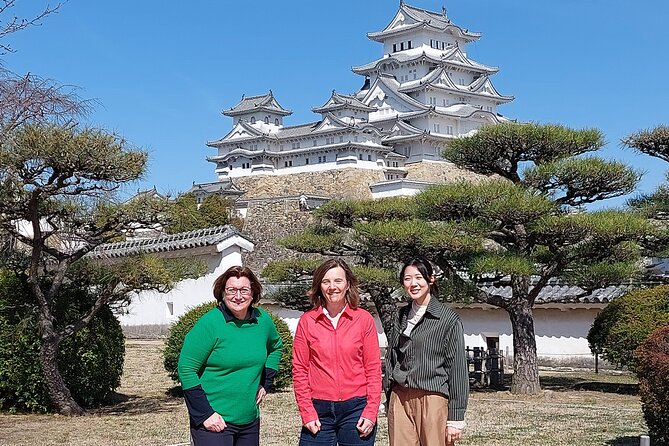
(352,294)
(237,272)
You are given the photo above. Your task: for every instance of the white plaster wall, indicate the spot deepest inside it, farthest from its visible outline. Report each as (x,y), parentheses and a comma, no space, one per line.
(151,308)
(560,334)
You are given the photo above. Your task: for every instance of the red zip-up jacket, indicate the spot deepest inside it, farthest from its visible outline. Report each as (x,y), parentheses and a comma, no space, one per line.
(336,364)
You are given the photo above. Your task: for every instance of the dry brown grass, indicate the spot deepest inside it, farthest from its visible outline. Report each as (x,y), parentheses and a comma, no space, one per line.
(601,413)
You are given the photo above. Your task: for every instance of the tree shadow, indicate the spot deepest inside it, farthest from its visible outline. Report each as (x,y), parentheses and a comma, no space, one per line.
(136,405)
(566,384)
(623,441)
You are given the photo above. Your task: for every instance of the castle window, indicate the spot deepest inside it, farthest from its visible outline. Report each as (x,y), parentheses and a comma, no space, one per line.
(315,142)
(253,119)
(402,46)
(296,145)
(369,157)
(306,161)
(449,129)
(433,100)
(276,121)
(436,128)
(409,44)
(394,47)
(341,139)
(266,119)
(360,157)
(288,164)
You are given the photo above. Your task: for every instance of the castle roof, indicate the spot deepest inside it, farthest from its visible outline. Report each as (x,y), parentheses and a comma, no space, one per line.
(409,18)
(451,56)
(265,102)
(244,132)
(339,101)
(440,79)
(216,187)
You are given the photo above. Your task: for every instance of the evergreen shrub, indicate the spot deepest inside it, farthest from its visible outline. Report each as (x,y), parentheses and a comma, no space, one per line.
(626,322)
(175,341)
(652,359)
(90,362)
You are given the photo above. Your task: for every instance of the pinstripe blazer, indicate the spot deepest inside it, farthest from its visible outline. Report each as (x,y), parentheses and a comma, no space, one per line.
(433,357)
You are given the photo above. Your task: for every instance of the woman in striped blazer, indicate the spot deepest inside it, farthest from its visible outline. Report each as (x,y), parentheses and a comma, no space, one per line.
(426,366)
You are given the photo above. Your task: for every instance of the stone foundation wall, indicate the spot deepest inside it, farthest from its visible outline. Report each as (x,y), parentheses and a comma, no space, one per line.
(348,183)
(441,171)
(268,221)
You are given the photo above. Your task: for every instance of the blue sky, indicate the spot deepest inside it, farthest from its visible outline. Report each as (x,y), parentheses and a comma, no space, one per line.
(162,71)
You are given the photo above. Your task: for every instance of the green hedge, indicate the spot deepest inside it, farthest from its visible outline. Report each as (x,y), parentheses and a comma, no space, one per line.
(175,341)
(652,359)
(626,322)
(91,362)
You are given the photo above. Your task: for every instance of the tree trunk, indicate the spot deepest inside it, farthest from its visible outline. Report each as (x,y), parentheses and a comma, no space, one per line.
(385,307)
(58,392)
(525,370)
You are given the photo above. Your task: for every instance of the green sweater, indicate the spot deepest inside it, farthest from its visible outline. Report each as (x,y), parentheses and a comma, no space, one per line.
(227,359)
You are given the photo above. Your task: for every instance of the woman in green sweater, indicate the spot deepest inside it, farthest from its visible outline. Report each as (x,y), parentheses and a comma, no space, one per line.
(228,362)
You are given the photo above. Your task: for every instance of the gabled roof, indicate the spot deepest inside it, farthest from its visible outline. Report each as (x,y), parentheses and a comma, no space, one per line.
(239,128)
(451,56)
(409,18)
(225,186)
(440,79)
(483,85)
(173,242)
(388,86)
(437,77)
(265,102)
(340,101)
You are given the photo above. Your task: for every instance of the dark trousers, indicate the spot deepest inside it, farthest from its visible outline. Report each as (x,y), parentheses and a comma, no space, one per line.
(338,420)
(232,435)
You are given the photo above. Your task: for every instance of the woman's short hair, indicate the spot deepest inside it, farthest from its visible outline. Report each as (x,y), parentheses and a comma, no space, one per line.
(316,295)
(425,269)
(237,272)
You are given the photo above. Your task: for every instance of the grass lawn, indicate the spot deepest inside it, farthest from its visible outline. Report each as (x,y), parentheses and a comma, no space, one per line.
(577,409)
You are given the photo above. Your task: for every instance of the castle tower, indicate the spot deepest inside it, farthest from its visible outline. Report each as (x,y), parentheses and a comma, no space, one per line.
(425,89)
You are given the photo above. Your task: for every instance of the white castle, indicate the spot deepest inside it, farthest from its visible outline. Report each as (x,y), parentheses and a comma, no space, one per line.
(423,92)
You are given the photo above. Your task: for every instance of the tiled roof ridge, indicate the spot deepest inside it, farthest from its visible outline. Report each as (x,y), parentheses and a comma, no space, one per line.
(165,242)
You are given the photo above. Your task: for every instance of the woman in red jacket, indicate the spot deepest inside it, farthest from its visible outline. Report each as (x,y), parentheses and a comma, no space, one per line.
(336,362)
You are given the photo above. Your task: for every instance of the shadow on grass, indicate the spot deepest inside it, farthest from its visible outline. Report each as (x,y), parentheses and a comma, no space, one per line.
(136,405)
(623,441)
(566,384)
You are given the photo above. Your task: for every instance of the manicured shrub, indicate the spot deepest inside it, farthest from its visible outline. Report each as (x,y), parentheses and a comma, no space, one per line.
(626,322)
(91,362)
(652,367)
(175,341)
(284,377)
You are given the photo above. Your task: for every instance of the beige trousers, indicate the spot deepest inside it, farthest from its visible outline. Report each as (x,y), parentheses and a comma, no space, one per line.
(417,417)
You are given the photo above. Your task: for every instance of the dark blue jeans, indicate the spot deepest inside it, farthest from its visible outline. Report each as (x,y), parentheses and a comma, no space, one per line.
(233,435)
(338,420)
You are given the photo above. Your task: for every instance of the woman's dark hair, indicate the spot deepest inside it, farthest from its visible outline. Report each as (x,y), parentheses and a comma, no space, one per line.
(425,269)
(316,295)
(237,272)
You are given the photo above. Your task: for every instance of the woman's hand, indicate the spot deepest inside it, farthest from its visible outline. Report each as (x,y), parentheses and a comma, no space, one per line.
(364,426)
(214,423)
(452,435)
(261,394)
(313,426)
